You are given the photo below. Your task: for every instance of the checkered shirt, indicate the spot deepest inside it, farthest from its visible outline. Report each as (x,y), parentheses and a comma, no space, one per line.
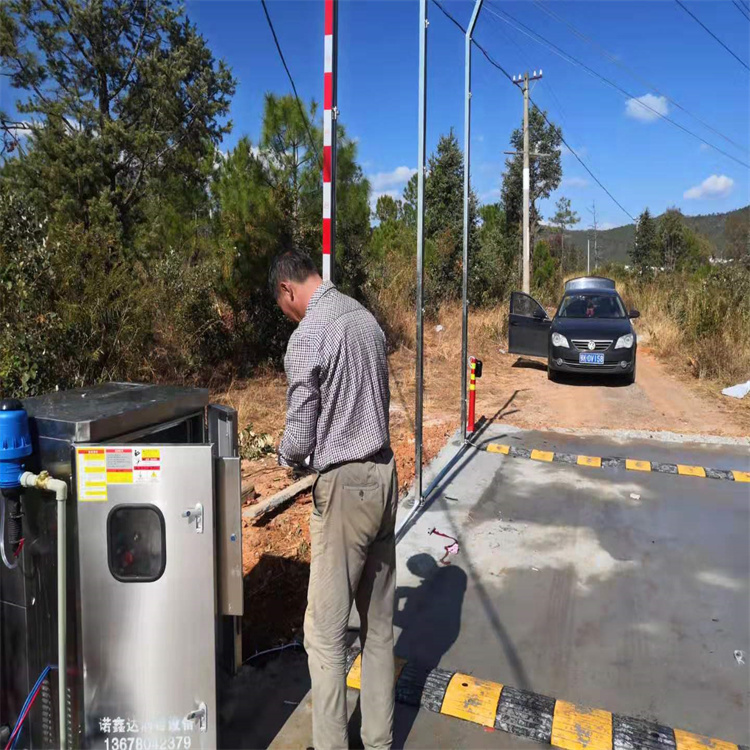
(337,374)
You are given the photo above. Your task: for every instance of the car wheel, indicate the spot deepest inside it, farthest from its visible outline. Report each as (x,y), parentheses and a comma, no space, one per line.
(551,374)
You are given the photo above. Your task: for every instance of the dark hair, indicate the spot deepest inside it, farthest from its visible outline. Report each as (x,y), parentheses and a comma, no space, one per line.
(291,265)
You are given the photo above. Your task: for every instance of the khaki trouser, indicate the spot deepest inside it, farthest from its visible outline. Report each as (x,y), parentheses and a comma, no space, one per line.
(353,559)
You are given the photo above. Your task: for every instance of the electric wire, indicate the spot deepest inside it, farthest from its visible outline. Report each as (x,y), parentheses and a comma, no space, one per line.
(746,5)
(292,644)
(707,30)
(607,55)
(291,80)
(497,65)
(557,104)
(741,9)
(520,26)
(26,707)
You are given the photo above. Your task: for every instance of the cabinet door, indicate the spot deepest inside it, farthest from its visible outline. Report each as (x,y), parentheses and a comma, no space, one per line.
(147,587)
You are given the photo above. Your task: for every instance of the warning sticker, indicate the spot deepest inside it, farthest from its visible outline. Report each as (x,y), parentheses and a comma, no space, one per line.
(147,465)
(119,466)
(92,475)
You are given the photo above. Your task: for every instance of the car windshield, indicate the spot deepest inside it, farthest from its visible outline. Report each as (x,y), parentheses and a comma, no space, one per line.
(591,306)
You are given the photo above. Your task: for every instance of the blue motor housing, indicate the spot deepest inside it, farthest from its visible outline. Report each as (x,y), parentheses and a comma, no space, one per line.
(15,443)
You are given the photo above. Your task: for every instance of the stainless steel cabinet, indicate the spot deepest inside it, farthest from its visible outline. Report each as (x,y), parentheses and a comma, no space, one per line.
(147,552)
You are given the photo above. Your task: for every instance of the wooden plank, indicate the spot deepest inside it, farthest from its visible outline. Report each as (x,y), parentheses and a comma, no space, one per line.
(275,501)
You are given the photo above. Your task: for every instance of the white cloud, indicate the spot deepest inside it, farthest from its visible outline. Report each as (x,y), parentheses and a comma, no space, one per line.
(715,186)
(605,225)
(386,180)
(647,108)
(705,147)
(575,182)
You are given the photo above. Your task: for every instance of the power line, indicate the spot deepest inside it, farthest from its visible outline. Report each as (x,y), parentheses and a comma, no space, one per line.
(607,55)
(569,58)
(583,164)
(741,9)
(705,28)
(291,80)
(547,85)
(746,5)
(497,65)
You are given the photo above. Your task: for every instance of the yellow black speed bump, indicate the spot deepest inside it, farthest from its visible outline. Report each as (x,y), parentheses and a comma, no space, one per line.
(608,462)
(526,714)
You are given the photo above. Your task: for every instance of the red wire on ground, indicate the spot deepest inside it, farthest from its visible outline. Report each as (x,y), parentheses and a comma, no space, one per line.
(448,548)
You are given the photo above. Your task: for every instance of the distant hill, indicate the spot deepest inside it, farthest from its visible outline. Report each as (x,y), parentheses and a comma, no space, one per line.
(616,243)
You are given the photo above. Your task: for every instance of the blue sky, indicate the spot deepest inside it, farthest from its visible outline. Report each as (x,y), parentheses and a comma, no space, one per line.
(643,161)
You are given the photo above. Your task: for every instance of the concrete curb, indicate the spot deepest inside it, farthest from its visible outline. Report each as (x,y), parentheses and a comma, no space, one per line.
(530,715)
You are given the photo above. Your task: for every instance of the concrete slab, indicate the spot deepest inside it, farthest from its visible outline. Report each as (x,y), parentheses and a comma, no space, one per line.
(567,585)
(615,589)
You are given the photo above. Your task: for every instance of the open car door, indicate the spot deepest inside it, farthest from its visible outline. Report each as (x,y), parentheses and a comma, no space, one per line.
(528,326)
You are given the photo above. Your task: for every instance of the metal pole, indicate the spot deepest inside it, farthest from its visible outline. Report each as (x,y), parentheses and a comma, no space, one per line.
(330,114)
(588,257)
(526,250)
(422,125)
(467,188)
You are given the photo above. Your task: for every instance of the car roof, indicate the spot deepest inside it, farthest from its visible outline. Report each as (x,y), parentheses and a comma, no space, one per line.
(589,282)
(591,290)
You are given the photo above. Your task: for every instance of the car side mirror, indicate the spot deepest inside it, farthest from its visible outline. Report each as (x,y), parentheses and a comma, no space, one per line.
(634,314)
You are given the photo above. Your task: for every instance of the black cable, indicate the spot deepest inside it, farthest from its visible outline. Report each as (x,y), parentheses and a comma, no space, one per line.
(291,80)
(741,9)
(607,55)
(510,78)
(492,62)
(557,103)
(575,61)
(746,5)
(705,28)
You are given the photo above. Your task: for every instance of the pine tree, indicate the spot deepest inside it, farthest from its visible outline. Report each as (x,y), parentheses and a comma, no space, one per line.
(644,252)
(564,217)
(118,93)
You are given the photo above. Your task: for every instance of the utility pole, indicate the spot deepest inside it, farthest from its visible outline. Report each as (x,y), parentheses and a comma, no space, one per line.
(595,227)
(526,176)
(588,257)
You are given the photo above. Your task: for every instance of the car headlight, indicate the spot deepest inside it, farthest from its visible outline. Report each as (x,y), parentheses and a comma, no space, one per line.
(559,340)
(625,342)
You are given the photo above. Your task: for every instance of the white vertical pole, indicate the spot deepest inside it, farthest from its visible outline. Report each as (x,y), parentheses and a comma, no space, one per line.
(467,190)
(423,23)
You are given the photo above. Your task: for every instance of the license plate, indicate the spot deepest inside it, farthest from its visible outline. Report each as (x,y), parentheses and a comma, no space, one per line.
(590,359)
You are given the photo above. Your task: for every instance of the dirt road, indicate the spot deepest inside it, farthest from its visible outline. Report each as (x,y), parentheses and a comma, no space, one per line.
(659,400)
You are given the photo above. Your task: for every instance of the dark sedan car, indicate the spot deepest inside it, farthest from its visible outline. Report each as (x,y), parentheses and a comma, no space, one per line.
(591,331)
